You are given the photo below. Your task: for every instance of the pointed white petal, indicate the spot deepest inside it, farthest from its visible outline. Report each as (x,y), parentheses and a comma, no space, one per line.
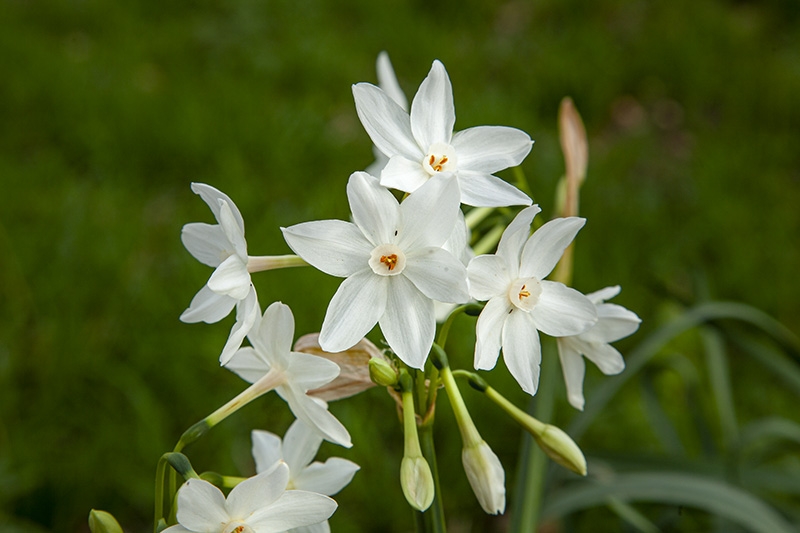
(177,528)
(490,149)
(328,478)
(254,495)
(429,215)
(488,277)
(208,306)
(433,114)
(335,247)
(295,508)
(301,444)
(605,356)
(375,210)
(322,527)
(387,80)
(409,322)
(458,241)
(247,312)
(267,449)
(403,174)
(309,372)
(387,124)
(573,368)
(614,322)
(489,330)
(547,245)
(231,278)
(211,196)
(522,351)
(273,338)
(248,364)
(207,243)
(233,232)
(316,415)
(201,506)
(438,274)
(604,294)
(562,311)
(516,234)
(481,189)
(353,311)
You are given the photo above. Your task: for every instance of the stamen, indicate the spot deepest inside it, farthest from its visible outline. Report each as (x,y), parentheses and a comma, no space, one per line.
(390,261)
(523,293)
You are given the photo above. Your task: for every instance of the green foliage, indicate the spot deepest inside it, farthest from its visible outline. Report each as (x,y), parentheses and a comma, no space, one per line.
(110,110)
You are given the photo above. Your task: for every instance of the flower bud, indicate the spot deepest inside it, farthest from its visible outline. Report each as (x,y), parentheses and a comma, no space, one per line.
(103,522)
(382,372)
(417,482)
(486,476)
(561,449)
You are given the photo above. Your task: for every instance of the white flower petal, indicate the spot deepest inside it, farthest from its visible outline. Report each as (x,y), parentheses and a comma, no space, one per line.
(604,294)
(438,274)
(231,278)
(273,337)
(375,210)
(409,322)
(387,124)
(481,189)
(614,322)
(211,196)
(254,496)
(574,369)
(208,306)
(488,277)
(429,215)
(387,80)
(247,312)
(562,311)
(316,415)
(522,351)
(516,234)
(267,449)
(489,329)
(403,174)
(207,243)
(328,478)
(233,232)
(322,527)
(547,245)
(606,357)
(490,149)
(335,247)
(295,508)
(201,506)
(301,444)
(433,114)
(458,241)
(248,364)
(309,372)
(353,311)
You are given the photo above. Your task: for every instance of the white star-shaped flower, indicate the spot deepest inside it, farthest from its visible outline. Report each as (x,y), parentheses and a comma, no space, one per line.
(520,301)
(393,260)
(297,450)
(422,144)
(223,247)
(291,374)
(260,504)
(614,322)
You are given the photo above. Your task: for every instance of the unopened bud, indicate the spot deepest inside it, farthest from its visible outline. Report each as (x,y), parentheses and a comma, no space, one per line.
(561,449)
(382,372)
(416,480)
(486,476)
(103,522)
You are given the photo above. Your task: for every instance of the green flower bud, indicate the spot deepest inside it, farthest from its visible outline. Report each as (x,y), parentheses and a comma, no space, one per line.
(416,480)
(103,522)
(382,372)
(561,449)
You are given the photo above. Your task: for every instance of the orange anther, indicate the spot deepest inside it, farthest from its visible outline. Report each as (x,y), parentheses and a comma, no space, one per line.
(389,260)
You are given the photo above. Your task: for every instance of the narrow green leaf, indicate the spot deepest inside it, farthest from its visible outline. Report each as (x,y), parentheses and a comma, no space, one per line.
(719,378)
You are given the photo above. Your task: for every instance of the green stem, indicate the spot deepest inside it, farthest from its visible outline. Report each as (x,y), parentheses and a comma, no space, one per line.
(159,505)
(435,521)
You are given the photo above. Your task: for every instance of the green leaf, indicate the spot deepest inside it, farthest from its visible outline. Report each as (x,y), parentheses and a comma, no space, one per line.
(719,377)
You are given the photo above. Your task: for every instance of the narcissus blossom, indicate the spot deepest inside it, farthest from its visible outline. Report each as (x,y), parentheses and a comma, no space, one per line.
(614,322)
(521,302)
(297,450)
(421,144)
(271,361)
(260,504)
(394,262)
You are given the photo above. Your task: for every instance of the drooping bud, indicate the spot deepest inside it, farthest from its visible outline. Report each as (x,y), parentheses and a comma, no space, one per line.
(486,476)
(103,522)
(416,477)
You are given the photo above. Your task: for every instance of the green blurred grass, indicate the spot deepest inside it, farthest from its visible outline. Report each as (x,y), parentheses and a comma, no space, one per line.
(109,111)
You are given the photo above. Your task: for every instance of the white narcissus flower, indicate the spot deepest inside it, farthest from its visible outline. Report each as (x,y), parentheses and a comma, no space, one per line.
(422,144)
(614,322)
(260,504)
(392,257)
(520,302)
(291,374)
(297,450)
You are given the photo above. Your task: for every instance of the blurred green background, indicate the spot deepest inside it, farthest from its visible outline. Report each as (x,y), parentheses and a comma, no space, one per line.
(108,111)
